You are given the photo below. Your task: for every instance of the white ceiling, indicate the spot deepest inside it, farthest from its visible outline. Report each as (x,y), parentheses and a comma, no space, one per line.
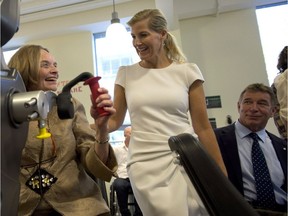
(32,10)
(35,10)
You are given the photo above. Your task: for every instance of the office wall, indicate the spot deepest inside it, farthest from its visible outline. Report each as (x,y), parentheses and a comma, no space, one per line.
(227,49)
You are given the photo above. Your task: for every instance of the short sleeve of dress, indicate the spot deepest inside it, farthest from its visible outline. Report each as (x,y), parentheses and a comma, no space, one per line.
(193,73)
(121,76)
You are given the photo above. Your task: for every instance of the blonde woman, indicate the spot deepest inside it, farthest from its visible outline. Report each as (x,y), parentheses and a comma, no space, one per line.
(160,92)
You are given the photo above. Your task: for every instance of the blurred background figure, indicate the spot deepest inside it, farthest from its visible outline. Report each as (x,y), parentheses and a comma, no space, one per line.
(122,184)
(279,87)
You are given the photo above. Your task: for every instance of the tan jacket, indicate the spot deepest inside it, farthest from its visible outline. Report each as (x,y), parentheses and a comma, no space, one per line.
(74,192)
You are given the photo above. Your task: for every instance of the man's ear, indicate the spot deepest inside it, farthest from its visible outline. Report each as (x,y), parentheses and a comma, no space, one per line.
(238,107)
(273,111)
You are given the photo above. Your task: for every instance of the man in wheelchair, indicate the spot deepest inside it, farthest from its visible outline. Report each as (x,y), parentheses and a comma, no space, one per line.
(121,185)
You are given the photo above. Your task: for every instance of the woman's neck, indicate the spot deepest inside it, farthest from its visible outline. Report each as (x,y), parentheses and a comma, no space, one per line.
(158,63)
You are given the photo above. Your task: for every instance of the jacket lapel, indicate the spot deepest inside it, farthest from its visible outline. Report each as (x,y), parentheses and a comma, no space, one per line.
(229,149)
(281,152)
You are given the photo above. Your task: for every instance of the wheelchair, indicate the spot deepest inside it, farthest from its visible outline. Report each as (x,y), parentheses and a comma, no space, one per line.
(114,207)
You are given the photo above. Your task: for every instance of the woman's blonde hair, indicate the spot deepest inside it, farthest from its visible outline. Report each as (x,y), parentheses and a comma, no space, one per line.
(157,22)
(27,61)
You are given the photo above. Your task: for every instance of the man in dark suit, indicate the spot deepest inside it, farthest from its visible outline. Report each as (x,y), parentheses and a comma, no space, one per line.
(255,106)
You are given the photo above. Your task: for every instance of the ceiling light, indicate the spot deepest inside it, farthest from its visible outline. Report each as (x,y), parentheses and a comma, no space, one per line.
(116,29)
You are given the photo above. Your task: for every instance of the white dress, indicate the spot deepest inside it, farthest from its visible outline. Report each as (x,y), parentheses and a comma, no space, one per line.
(158,103)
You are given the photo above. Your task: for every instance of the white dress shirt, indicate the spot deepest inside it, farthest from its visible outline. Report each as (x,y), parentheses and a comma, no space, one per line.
(121,153)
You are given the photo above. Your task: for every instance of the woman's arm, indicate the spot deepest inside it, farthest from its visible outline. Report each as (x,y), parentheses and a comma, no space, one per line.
(120,104)
(105,124)
(201,123)
(281,83)
(101,123)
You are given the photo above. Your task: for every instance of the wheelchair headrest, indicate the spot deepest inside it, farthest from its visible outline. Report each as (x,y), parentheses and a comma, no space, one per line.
(10,13)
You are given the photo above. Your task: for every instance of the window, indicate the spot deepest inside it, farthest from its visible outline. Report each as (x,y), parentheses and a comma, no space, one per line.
(273,22)
(109,56)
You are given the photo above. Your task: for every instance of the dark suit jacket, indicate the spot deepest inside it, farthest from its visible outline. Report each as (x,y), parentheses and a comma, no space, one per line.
(228,146)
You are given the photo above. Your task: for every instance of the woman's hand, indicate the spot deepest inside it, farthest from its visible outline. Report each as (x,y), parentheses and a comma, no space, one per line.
(102,103)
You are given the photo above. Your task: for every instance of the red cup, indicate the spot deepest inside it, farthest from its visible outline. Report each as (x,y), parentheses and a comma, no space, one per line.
(94,85)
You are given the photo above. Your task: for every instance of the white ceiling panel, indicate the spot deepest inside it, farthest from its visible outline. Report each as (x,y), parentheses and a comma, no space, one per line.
(32,10)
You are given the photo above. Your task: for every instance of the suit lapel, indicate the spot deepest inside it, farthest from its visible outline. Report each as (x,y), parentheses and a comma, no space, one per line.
(229,143)
(281,152)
